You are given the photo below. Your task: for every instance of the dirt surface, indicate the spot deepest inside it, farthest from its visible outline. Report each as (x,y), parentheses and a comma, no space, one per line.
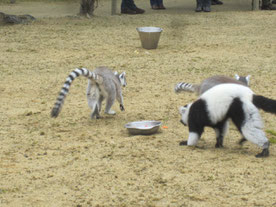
(75,161)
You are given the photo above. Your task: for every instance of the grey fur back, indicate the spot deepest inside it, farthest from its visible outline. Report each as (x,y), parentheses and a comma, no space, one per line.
(209,83)
(215,80)
(110,80)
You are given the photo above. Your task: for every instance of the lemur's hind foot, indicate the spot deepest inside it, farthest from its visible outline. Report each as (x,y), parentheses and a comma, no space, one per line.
(218,145)
(264,153)
(95,114)
(182,143)
(110,112)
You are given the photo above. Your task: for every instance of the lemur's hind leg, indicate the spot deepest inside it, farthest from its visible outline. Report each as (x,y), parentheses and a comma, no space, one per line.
(100,102)
(95,113)
(257,136)
(93,96)
(93,104)
(238,119)
(109,102)
(251,128)
(221,130)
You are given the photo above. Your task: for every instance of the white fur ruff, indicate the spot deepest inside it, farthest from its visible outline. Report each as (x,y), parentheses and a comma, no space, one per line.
(220,97)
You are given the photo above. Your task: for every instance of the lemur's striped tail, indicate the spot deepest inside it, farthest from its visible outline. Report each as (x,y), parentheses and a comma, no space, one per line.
(65,89)
(182,86)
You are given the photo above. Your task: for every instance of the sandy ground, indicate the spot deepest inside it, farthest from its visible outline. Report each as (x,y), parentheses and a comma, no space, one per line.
(76,161)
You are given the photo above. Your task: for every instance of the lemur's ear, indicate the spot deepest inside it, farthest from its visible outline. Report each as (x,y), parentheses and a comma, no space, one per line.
(116,73)
(237,76)
(122,75)
(247,78)
(182,109)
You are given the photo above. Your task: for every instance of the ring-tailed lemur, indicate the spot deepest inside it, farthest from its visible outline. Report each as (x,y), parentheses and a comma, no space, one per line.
(102,84)
(209,83)
(228,101)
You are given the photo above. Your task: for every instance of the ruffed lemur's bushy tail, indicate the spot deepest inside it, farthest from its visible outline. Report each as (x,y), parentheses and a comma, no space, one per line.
(266,104)
(65,89)
(182,86)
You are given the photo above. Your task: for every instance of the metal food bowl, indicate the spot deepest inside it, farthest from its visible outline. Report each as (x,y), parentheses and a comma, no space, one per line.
(143,127)
(149,36)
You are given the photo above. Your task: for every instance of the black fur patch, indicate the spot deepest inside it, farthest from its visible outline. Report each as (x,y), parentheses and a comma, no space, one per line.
(264,153)
(236,113)
(266,104)
(198,117)
(54,112)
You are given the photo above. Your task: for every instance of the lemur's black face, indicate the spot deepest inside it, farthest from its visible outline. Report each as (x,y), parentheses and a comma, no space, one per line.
(184,111)
(122,78)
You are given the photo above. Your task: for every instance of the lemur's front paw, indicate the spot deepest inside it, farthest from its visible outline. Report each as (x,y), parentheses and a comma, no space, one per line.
(183,143)
(122,107)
